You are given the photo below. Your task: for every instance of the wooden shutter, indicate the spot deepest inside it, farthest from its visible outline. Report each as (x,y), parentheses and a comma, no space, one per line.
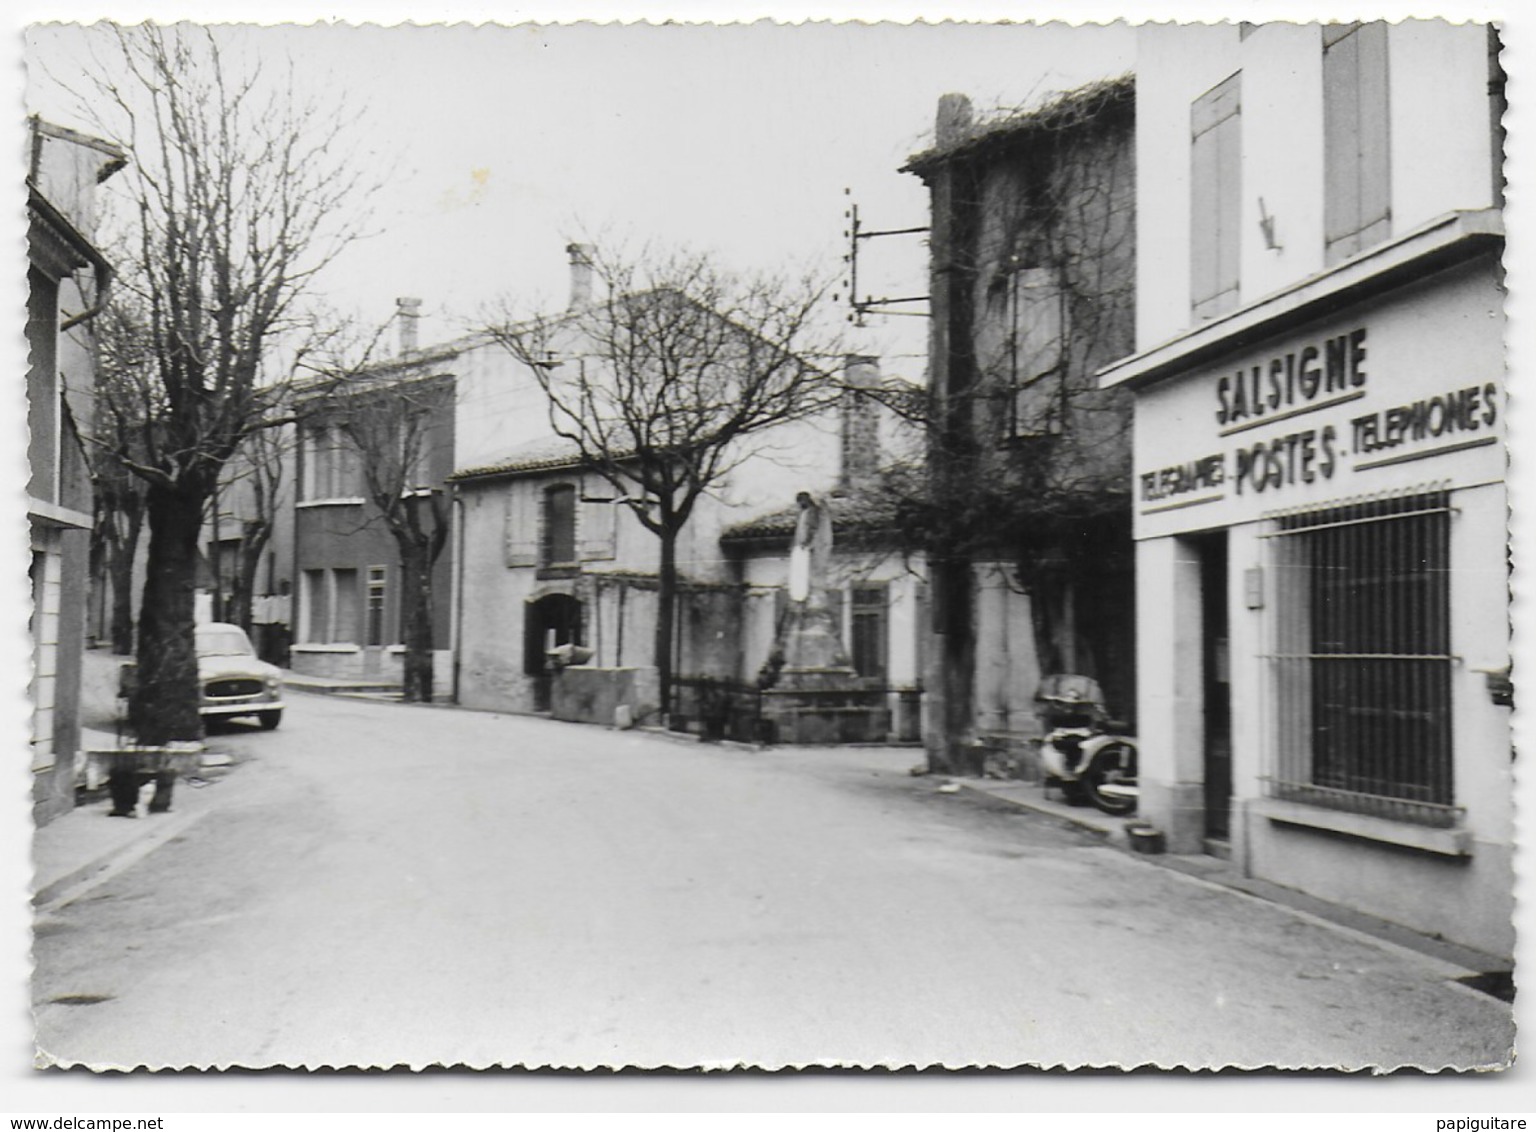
(597,520)
(1357,205)
(1040,336)
(1215,198)
(1040,345)
(522,524)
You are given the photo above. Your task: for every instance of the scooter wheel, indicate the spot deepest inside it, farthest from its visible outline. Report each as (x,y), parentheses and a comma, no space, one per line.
(1114,766)
(1073,791)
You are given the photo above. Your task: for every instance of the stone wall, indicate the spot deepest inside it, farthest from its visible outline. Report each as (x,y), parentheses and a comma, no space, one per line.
(582,694)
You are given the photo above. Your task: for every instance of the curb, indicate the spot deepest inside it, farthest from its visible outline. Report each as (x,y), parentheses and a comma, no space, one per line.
(1106,828)
(340,689)
(1464,960)
(77,882)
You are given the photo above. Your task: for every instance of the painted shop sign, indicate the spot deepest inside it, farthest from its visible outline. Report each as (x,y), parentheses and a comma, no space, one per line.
(1320,375)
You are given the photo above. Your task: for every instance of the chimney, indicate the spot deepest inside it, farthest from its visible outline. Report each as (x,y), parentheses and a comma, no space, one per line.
(953,122)
(581,275)
(861,422)
(408,314)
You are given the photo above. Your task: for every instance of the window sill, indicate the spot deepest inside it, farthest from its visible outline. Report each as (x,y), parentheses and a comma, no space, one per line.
(1426,839)
(55,515)
(339,501)
(343,647)
(562,571)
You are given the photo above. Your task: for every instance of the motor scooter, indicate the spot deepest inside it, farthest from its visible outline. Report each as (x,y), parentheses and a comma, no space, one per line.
(1083,752)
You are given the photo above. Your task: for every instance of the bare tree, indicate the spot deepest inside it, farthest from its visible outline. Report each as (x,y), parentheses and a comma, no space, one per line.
(661,387)
(257,477)
(236,195)
(115,441)
(393,428)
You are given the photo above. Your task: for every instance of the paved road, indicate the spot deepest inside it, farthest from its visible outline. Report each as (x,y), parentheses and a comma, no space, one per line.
(383,885)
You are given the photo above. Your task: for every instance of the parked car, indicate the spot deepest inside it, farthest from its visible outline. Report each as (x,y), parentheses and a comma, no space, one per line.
(234,681)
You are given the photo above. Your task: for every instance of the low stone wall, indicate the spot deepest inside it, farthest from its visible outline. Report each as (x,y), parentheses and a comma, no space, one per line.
(331,662)
(826,717)
(328,662)
(585,694)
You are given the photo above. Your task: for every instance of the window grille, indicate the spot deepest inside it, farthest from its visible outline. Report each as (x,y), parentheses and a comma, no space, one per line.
(1361,666)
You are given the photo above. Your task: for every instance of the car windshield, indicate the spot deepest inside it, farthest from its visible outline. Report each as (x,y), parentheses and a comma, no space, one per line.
(224,640)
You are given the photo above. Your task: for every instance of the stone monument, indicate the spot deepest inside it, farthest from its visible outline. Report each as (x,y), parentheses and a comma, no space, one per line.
(811,694)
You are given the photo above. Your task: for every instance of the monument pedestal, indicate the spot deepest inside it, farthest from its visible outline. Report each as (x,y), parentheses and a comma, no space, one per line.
(818,698)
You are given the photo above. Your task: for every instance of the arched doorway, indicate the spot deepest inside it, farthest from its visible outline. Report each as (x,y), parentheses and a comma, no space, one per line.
(552,620)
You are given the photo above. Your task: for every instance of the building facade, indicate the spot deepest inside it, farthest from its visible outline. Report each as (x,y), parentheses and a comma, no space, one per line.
(67,285)
(1032,283)
(392,429)
(1320,510)
(551,557)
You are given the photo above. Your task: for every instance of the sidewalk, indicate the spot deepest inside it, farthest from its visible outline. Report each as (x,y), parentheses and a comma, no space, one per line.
(331,686)
(1224,874)
(78,850)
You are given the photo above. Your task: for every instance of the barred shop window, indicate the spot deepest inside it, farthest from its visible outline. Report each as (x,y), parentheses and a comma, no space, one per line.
(559,526)
(1362,660)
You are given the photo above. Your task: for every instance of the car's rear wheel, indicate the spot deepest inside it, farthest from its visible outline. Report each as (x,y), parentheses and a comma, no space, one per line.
(269,719)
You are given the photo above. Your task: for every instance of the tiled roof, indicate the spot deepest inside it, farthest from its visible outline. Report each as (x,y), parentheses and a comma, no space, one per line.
(545,454)
(1063,111)
(855,511)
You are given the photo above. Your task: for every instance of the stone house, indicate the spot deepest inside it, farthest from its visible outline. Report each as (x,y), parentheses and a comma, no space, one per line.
(550,557)
(1033,269)
(347,610)
(67,285)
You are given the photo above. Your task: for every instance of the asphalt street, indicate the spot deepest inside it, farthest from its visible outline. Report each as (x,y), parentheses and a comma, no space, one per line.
(378,884)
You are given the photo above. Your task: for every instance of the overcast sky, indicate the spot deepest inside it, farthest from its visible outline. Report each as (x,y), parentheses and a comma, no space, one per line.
(739,141)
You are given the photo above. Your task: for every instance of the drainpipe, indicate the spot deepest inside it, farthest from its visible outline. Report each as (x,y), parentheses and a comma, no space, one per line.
(103,293)
(457,595)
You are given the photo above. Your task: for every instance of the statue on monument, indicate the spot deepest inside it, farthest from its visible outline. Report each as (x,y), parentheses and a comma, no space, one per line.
(809,551)
(808,639)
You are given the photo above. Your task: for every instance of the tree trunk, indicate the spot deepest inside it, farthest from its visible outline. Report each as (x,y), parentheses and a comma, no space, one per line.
(120,554)
(666,616)
(951,672)
(166,702)
(416,622)
(253,542)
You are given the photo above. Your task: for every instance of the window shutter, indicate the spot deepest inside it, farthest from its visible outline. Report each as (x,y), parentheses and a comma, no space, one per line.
(1040,347)
(1341,141)
(1357,203)
(1215,198)
(522,531)
(597,522)
(1040,337)
(1375,134)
